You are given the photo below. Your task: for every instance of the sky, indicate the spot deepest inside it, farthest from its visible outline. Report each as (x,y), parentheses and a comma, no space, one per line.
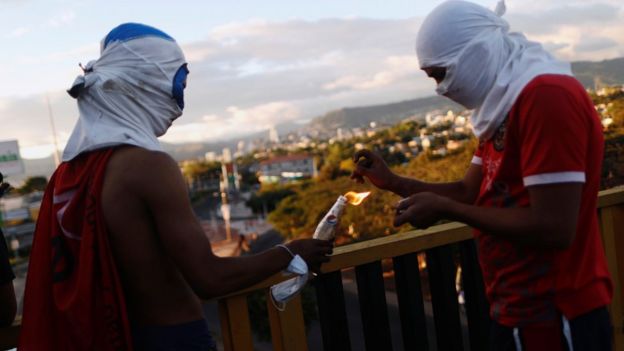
(255,64)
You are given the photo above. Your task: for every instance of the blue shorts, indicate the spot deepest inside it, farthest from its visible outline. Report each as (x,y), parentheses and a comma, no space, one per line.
(191,336)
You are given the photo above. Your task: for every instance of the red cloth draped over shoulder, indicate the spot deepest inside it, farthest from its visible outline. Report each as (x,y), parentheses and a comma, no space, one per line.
(73,298)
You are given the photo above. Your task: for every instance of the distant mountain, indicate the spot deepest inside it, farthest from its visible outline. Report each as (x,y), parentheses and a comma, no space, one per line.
(590,74)
(353,117)
(187,151)
(598,74)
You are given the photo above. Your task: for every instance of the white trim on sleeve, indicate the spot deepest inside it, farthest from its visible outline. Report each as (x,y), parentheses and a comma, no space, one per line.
(552,178)
(477,160)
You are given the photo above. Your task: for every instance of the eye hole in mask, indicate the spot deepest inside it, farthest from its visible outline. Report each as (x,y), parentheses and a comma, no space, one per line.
(179,83)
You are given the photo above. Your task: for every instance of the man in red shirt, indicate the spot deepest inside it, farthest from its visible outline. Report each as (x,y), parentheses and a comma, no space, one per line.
(531,189)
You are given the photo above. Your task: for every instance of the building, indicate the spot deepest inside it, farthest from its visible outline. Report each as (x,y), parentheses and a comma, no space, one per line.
(273,135)
(286,168)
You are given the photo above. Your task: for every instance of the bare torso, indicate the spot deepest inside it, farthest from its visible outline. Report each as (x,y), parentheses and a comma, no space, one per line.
(156,292)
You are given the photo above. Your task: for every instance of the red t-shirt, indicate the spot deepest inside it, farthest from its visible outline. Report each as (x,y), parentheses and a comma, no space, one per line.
(552,135)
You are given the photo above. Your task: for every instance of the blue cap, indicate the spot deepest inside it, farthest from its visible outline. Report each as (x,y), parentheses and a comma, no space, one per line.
(129,31)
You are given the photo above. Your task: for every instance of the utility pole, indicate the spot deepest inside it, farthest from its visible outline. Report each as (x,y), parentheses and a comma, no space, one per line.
(225,207)
(57,158)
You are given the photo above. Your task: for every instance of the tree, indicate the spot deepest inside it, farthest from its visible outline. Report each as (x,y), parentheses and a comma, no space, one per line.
(268,197)
(32,184)
(297,215)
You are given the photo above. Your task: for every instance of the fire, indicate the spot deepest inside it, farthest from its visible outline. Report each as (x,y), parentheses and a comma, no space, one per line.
(356,198)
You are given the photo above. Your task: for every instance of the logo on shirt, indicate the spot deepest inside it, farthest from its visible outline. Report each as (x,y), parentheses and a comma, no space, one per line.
(499,137)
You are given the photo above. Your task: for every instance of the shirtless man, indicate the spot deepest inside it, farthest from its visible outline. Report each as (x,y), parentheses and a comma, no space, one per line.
(119,260)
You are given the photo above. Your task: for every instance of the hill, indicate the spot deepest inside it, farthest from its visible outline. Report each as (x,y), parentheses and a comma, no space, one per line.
(354,117)
(596,75)
(590,74)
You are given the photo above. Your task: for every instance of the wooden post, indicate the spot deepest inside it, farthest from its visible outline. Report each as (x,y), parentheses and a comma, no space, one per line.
(441,269)
(287,327)
(332,312)
(477,307)
(411,305)
(373,308)
(235,326)
(612,223)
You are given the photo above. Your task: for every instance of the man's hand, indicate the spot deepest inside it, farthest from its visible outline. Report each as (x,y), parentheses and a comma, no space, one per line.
(420,210)
(315,252)
(373,167)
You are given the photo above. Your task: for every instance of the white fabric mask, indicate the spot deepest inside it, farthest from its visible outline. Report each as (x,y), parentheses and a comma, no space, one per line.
(486,66)
(286,290)
(125,97)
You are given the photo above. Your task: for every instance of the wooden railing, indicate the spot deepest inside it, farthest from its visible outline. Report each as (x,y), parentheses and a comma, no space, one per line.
(441,245)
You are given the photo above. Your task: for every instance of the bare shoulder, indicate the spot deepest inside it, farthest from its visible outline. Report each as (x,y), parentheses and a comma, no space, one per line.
(139,170)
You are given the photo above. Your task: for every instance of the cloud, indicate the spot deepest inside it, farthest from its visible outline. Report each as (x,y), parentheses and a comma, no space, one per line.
(590,44)
(566,15)
(62,19)
(572,30)
(27,119)
(18,32)
(395,68)
(79,54)
(234,122)
(247,76)
(554,46)
(247,64)
(539,6)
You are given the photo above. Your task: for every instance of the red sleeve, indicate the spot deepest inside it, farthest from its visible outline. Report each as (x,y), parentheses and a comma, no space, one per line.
(554,133)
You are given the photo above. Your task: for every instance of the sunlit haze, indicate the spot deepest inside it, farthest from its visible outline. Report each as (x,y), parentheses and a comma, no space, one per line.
(256,64)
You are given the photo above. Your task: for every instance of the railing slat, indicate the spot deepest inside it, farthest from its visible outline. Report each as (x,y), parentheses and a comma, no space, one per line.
(373,308)
(287,326)
(332,312)
(411,305)
(612,224)
(476,303)
(235,327)
(396,245)
(441,269)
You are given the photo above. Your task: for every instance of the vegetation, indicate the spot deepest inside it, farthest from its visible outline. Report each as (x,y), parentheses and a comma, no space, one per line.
(33,184)
(611,106)
(266,199)
(297,215)
(201,171)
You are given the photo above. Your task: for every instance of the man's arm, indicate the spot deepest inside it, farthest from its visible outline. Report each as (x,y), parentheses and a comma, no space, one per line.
(373,167)
(549,222)
(463,191)
(162,188)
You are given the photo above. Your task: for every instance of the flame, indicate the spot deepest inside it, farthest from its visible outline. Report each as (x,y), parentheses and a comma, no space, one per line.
(356,198)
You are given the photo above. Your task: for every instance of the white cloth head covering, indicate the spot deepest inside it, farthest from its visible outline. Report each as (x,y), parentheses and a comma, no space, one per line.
(125,96)
(486,66)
